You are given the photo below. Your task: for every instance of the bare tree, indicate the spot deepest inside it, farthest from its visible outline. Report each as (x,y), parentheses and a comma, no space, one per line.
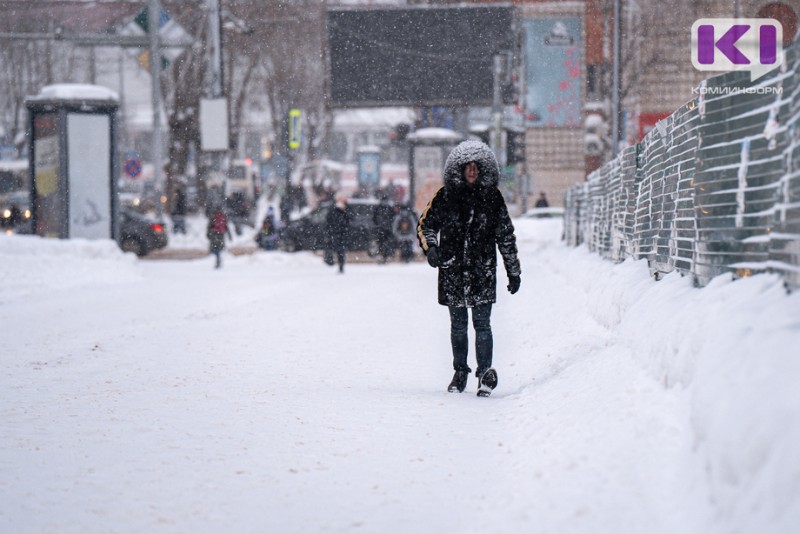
(272,52)
(26,66)
(654,54)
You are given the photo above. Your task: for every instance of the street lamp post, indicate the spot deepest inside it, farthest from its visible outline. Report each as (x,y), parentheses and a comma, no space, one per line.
(615,103)
(497,106)
(153,16)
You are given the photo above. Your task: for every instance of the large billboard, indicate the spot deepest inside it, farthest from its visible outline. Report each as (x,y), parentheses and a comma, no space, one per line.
(553,52)
(417,56)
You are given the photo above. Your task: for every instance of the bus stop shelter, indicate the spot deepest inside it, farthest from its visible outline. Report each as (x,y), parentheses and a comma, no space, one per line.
(429,150)
(72,132)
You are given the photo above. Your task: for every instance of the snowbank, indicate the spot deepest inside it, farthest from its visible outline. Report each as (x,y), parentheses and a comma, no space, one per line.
(732,346)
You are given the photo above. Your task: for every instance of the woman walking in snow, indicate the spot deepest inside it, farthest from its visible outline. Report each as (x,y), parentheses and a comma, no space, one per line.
(459,231)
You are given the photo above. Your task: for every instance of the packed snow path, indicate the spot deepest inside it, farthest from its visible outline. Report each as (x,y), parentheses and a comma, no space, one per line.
(275,395)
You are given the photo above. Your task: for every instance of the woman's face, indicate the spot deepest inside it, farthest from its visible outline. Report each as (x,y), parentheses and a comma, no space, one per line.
(471,172)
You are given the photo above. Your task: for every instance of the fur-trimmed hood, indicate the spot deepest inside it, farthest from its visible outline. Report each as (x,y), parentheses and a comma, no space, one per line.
(463,153)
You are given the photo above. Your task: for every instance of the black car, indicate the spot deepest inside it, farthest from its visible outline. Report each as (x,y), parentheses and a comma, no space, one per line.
(139,234)
(310,232)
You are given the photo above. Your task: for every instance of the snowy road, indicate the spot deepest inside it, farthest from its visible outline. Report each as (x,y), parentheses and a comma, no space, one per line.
(277,396)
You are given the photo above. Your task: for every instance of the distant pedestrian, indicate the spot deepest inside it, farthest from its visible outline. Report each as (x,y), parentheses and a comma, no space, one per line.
(338,225)
(285,206)
(383,218)
(542,201)
(216,232)
(239,208)
(268,236)
(179,212)
(460,230)
(404,226)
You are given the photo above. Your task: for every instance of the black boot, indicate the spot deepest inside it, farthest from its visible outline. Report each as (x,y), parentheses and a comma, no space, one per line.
(487,382)
(459,381)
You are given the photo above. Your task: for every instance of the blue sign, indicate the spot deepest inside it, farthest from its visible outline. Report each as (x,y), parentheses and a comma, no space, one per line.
(369,168)
(7,152)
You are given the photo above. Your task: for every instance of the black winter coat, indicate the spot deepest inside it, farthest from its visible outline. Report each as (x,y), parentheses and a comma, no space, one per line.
(338,223)
(467,223)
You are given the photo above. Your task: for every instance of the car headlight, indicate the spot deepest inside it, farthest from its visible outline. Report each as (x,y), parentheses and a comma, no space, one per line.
(27,214)
(6,214)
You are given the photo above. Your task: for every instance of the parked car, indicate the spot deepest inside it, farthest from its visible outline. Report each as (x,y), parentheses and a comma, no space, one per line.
(543,213)
(15,212)
(310,232)
(140,234)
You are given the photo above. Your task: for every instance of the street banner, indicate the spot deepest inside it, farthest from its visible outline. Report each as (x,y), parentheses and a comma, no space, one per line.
(553,56)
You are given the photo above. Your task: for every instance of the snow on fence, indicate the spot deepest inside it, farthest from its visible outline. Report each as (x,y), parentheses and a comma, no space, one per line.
(713,188)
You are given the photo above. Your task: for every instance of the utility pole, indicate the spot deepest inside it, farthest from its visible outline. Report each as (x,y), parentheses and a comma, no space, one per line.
(615,90)
(215,89)
(153,19)
(497,107)
(216,47)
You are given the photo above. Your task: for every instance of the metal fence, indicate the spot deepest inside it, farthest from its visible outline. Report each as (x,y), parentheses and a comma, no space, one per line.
(714,188)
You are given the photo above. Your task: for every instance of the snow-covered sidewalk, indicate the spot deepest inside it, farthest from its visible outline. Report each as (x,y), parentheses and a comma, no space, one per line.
(275,395)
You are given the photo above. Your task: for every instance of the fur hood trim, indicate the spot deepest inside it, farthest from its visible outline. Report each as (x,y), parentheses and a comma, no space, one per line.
(463,153)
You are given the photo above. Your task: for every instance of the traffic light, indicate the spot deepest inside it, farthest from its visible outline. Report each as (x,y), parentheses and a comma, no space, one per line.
(515,147)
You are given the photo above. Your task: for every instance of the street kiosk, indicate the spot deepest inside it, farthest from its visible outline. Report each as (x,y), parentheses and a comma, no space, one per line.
(72,153)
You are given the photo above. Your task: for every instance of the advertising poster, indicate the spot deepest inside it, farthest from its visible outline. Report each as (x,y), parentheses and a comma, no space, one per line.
(553,55)
(89,175)
(48,204)
(214,124)
(369,169)
(428,166)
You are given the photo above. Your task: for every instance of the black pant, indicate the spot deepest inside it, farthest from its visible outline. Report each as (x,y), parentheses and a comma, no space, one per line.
(481,321)
(340,259)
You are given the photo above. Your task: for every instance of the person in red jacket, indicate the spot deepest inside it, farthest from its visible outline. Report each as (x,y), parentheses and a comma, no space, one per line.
(216,232)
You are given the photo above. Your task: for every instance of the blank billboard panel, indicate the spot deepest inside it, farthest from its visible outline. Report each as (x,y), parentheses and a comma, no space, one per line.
(428,55)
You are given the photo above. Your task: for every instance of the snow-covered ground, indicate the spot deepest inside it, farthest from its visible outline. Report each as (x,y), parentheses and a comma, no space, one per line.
(275,395)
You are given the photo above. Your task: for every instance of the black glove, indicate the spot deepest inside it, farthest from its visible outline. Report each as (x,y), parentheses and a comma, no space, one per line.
(433,256)
(513,284)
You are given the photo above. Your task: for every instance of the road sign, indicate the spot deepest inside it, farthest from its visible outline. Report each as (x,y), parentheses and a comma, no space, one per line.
(168,30)
(295,130)
(133,167)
